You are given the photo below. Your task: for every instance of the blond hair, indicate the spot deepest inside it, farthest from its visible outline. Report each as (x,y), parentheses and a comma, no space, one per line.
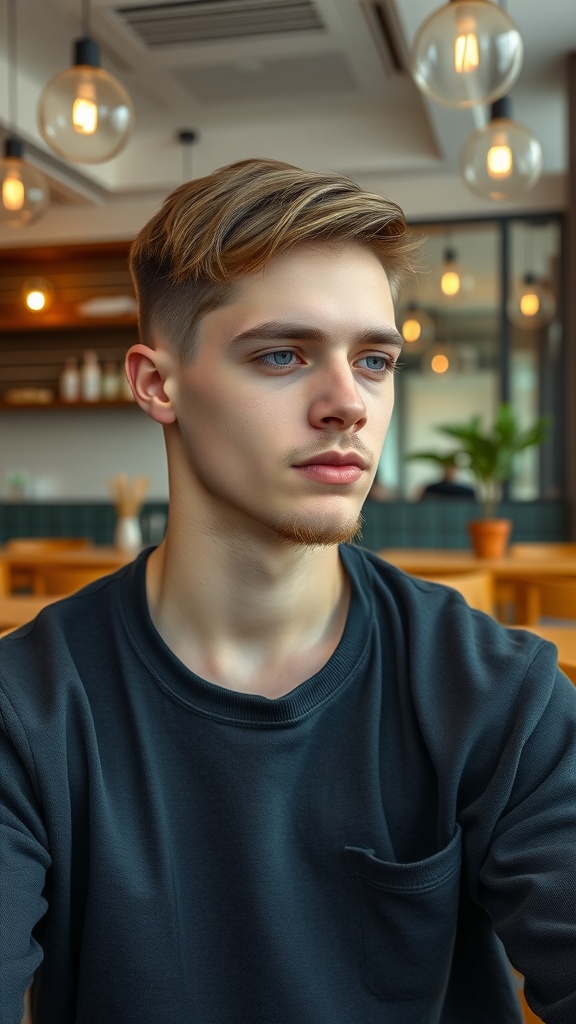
(213,230)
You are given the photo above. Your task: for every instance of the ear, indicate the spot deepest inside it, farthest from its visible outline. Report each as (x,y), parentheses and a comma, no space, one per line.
(146,370)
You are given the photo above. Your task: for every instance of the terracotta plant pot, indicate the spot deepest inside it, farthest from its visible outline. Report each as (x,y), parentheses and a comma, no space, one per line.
(489,537)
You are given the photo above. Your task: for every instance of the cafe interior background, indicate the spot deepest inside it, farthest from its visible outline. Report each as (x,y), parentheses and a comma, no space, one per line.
(321,84)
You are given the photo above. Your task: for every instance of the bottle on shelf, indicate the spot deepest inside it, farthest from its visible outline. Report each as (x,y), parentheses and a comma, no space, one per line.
(110,382)
(91,377)
(69,383)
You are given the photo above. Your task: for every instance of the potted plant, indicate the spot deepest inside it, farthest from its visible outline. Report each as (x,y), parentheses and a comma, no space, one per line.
(489,454)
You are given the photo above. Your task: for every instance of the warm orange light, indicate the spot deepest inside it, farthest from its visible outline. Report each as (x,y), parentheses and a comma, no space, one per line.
(36,300)
(411,330)
(466,53)
(450,282)
(529,304)
(499,161)
(440,363)
(12,194)
(37,294)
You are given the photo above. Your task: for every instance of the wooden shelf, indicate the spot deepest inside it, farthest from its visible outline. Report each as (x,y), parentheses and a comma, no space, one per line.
(62,322)
(35,346)
(68,406)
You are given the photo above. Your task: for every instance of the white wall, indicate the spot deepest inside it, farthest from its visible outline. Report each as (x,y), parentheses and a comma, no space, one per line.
(70,455)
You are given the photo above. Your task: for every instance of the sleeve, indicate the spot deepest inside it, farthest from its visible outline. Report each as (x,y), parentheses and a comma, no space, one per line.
(527,878)
(24,861)
(498,720)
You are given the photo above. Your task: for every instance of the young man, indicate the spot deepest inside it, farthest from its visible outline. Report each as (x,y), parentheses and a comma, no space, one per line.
(259,776)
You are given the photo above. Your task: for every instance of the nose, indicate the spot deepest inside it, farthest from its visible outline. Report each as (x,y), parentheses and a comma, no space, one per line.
(337,403)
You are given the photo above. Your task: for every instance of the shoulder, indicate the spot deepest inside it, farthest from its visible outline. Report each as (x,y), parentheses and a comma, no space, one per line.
(478,690)
(45,663)
(446,644)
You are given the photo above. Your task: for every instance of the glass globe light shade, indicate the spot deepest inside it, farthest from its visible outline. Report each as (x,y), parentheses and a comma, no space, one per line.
(84,113)
(24,190)
(417,328)
(467,52)
(532,304)
(501,160)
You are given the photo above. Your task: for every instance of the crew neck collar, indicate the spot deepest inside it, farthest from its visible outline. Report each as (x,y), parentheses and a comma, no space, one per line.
(245,709)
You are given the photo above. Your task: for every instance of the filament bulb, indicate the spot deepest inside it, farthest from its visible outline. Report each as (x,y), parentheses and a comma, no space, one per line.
(85,110)
(499,161)
(466,53)
(12,194)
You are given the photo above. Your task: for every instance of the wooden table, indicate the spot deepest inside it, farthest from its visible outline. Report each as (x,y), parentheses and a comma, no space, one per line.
(441,561)
(17,609)
(89,557)
(511,570)
(565,639)
(101,558)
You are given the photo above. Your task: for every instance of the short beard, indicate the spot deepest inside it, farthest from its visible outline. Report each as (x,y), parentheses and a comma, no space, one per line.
(297,533)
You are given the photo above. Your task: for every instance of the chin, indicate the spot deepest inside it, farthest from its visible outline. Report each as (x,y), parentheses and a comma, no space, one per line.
(300,531)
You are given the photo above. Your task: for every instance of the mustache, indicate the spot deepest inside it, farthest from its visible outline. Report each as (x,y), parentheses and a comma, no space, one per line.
(321,445)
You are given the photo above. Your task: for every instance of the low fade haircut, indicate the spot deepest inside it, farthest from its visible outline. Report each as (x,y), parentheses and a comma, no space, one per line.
(213,230)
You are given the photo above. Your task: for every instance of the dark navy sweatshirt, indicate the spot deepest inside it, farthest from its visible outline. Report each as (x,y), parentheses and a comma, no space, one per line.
(358,851)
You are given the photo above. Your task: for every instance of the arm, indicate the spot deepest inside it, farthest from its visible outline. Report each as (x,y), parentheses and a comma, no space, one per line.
(527,878)
(24,859)
(499,722)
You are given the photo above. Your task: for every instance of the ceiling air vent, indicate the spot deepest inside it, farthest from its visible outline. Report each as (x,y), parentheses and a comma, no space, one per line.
(202,21)
(384,24)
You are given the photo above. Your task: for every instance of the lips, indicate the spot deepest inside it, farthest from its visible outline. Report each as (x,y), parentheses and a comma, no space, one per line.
(332,468)
(336,459)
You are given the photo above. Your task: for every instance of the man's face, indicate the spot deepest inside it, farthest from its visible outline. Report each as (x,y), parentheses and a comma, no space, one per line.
(282,414)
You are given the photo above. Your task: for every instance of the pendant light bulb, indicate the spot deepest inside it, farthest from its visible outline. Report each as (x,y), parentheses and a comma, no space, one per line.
(12,192)
(450,279)
(416,327)
(37,294)
(84,113)
(24,189)
(411,329)
(532,304)
(503,159)
(529,303)
(85,109)
(440,361)
(467,52)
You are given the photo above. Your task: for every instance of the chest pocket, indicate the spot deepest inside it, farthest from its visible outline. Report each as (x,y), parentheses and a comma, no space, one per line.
(406,916)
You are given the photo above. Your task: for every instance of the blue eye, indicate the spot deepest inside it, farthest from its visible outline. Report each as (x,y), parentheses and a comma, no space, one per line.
(280,358)
(377,363)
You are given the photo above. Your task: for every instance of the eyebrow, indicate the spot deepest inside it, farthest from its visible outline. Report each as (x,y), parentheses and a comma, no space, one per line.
(277,330)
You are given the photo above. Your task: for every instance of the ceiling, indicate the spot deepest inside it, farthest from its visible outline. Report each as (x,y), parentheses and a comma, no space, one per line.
(320,83)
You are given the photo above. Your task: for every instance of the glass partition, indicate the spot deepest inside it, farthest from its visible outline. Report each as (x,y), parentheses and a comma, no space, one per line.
(482,323)
(533,312)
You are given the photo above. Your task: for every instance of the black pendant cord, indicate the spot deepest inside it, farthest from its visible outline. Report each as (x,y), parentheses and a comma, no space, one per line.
(12,41)
(187,138)
(186,162)
(85,18)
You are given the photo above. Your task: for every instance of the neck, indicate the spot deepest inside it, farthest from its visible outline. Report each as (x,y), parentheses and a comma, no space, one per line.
(249,615)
